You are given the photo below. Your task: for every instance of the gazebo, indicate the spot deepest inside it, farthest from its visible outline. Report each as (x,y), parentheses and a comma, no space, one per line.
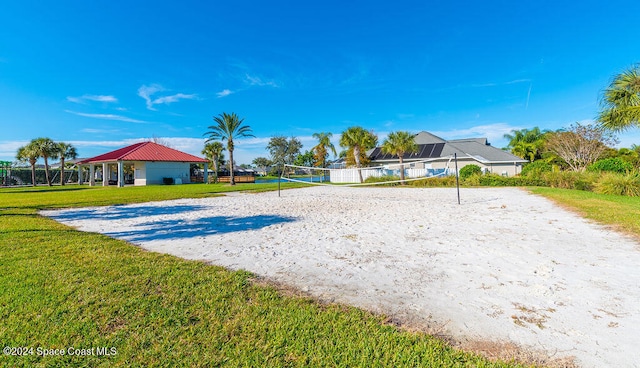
(144,163)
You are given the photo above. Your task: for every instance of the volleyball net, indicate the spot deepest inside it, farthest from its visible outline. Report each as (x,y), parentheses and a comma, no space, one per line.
(365,176)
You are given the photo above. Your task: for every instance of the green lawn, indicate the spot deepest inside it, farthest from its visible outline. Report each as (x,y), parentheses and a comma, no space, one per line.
(61,289)
(620,212)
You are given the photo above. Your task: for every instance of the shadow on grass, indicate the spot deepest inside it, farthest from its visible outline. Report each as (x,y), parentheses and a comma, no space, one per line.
(40,190)
(184,229)
(123,212)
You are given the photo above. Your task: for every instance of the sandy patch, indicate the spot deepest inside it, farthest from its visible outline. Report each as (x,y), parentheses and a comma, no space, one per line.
(504,266)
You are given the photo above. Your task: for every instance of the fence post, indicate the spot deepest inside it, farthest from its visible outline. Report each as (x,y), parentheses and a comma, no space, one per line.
(455,156)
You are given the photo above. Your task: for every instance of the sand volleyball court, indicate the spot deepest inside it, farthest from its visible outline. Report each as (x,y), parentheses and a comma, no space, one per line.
(504,266)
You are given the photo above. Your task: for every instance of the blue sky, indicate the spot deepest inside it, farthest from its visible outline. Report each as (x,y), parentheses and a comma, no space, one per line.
(104,74)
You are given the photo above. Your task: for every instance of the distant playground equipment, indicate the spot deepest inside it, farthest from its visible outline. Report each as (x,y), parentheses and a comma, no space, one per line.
(5,174)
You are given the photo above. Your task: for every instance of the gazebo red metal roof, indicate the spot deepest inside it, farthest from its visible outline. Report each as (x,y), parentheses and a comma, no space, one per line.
(144,151)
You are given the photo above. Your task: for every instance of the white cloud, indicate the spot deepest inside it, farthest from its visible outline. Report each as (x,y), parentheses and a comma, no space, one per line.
(8,149)
(193,146)
(173,98)
(98,98)
(257,81)
(99,131)
(519,81)
(224,93)
(146,92)
(107,117)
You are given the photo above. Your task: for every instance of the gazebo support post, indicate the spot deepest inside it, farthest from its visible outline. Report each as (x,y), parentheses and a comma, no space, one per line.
(105,174)
(92,175)
(120,174)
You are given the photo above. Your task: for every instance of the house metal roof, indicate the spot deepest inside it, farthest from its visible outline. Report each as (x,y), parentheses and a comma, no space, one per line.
(144,151)
(432,146)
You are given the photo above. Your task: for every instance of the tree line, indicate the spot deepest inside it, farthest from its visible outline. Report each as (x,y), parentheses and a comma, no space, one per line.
(356,140)
(46,149)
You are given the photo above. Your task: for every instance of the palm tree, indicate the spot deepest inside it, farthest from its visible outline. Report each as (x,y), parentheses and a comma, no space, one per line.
(213,152)
(65,151)
(527,143)
(46,149)
(358,141)
(228,127)
(262,162)
(320,151)
(621,101)
(29,154)
(397,144)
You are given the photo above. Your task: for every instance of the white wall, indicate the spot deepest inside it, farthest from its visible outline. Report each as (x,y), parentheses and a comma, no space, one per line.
(506,169)
(139,173)
(147,173)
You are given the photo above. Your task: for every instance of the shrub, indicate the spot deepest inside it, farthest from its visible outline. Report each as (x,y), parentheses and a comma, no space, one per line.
(469,170)
(473,180)
(494,180)
(571,180)
(440,181)
(167,181)
(618,184)
(380,179)
(615,164)
(536,169)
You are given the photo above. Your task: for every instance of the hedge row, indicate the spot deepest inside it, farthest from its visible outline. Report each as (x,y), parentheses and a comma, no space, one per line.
(606,183)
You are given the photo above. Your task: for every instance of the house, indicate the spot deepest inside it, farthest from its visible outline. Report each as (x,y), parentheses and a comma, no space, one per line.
(435,153)
(141,164)
(435,156)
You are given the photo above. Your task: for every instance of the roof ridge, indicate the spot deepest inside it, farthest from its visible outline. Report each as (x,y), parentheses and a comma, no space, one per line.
(137,147)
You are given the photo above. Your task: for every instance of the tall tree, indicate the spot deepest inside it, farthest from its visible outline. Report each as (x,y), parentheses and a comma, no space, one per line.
(580,145)
(305,159)
(213,152)
(46,149)
(357,140)
(527,143)
(228,127)
(397,144)
(29,154)
(283,150)
(321,150)
(620,104)
(65,151)
(262,162)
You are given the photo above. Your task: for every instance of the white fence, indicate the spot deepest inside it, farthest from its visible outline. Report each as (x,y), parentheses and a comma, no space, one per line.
(351,175)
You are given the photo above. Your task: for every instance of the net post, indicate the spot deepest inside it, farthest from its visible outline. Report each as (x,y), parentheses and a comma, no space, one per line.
(279,179)
(284,167)
(455,157)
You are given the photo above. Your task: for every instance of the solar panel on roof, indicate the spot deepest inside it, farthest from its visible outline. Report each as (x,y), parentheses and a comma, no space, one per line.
(431,150)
